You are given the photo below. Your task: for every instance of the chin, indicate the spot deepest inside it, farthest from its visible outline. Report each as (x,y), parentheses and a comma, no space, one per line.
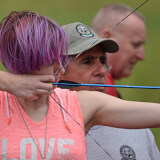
(125,74)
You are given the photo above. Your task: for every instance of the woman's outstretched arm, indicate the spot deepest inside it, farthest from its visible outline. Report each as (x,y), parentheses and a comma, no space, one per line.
(102,109)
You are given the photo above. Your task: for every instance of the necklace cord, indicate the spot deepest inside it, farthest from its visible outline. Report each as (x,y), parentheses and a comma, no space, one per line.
(44,155)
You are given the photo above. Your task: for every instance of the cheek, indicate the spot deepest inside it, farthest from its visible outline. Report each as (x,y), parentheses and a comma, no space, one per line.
(50,69)
(77,73)
(82,76)
(45,70)
(126,53)
(129,50)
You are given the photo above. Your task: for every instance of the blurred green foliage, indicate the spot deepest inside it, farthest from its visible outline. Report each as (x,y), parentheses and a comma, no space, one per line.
(68,11)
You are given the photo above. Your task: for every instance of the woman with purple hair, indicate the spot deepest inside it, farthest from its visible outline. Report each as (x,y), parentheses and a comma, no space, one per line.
(26,86)
(52,127)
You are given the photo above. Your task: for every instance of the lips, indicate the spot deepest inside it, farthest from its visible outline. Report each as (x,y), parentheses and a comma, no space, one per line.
(101,82)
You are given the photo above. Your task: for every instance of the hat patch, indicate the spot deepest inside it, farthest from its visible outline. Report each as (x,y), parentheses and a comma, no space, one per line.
(84,31)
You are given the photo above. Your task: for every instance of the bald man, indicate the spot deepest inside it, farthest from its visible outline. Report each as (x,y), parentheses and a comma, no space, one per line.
(130,35)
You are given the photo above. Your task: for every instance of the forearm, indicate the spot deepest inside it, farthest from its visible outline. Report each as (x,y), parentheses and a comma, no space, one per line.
(26,86)
(102,109)
(128,114)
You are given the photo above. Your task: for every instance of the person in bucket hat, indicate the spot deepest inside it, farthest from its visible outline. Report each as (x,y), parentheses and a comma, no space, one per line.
(85,45)
(81,38)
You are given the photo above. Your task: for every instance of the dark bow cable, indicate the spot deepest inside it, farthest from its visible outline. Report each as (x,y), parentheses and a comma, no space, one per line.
(64,84)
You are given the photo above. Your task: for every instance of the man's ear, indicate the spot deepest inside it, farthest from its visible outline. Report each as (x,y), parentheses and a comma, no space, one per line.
(105,33)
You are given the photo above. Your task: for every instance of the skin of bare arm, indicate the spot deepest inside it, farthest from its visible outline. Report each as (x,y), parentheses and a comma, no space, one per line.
(102,109)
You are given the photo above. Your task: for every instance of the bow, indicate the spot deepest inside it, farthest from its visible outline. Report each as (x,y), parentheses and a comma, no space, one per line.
(74,84)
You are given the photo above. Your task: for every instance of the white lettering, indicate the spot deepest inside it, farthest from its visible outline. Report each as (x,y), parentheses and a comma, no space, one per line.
(23,144)
(61,149)
(4,150)
(24,155)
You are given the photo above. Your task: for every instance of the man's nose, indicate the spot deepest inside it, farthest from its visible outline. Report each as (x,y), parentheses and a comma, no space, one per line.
(140,54)
(101,69)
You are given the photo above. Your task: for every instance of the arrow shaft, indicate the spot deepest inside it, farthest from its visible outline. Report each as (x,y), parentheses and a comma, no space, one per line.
(106,85)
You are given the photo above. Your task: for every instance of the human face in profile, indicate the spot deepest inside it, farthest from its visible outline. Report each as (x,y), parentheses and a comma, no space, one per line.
(131,37)
(90,67)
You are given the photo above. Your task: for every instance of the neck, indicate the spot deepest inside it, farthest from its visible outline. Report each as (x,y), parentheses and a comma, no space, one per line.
(35,109)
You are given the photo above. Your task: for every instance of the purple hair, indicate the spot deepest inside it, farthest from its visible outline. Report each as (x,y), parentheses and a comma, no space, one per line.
(29,41)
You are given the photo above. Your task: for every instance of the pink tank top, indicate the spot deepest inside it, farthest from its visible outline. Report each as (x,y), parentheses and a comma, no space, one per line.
(61,144)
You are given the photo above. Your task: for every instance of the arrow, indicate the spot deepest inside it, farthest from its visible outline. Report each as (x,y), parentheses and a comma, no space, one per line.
(69,84)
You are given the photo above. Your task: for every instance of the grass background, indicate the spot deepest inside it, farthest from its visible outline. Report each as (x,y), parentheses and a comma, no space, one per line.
(68,11)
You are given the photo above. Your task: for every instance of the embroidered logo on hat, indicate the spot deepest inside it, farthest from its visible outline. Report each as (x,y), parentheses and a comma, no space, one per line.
(84,31)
